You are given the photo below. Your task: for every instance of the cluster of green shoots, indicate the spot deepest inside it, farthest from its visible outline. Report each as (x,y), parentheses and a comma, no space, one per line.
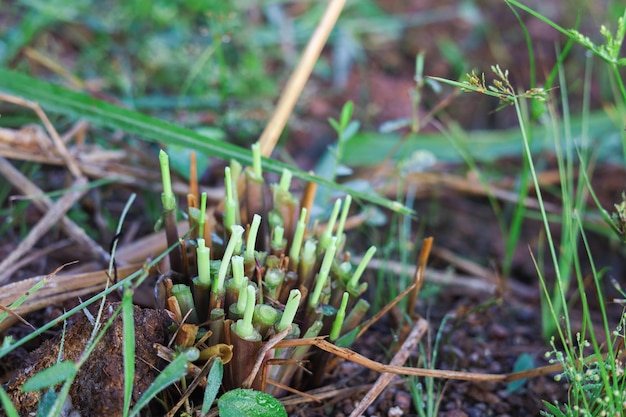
(248,274)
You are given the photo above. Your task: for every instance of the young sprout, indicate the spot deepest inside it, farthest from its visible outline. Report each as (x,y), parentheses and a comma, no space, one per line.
(264,318)
(252,234)
(344,215)
(238,277)
(256,160)
(167,197)
(356,315)
(291,308)
(203,255)
(339,318)
(243,299)
(285,180)
(185,301)
(354,280)
(278,240)
(296,244)
(322,276)
(328,232)
(230,217)
(202,220)
(305,268)
(235,236)
(243,327)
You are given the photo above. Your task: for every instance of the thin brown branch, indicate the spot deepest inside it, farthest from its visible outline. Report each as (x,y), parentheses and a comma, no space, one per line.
(299,77)
(399,358)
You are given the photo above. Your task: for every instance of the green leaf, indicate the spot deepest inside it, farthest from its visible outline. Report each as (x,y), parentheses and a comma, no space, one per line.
(214,381)
(554,410)
(172,373)
(51,376)
(47,403)
(524,362)
(54,98)
(7,405)
(249,403)
(128,326)
(346,114)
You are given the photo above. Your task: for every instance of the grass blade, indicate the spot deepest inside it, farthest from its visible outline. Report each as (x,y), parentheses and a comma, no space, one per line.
(172,373)
(51,376)
(58,99)
(7,405)
(128,325)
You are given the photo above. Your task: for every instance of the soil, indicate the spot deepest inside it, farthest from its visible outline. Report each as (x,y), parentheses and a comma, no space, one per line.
(487,331)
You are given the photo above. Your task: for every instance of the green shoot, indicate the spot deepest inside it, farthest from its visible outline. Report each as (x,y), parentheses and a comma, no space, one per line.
(335,332)
(256,161)
(296,244)
(330,225)
(202,220)
(185,302)
(278,240)
(243,327)
(285,181)
(167,197)
(252,235)
(230,216)
(342,220)
(354,280)
(241,301)
(238,276)
(322,276)
(291,308)
(203,255)
(264,317)
(235,237)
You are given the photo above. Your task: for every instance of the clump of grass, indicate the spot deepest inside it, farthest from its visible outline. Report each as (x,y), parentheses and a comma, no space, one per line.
(260,274)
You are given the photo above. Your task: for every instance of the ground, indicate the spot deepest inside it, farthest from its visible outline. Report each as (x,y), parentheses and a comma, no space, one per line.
(488,327)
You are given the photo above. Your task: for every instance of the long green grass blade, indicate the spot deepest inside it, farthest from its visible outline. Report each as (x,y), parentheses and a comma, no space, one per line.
(7,405)
(58,99)
(128,325)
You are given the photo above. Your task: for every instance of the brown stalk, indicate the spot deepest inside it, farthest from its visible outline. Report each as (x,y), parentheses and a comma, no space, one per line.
(352,356)
(418,277)
(28,188)
(262,358)
(56,291)
(299,77)
(399,358)
(308,197)
(70,162)
(52,217)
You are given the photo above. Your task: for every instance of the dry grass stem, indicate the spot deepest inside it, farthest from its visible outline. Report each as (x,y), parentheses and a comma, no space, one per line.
(416,334)
(60,289)
(68,159)
(267,346)
(52,217)
(43,203)
(355,357)
(299,77)
(418,277)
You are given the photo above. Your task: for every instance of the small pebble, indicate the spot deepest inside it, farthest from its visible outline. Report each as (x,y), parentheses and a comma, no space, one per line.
(395,412)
